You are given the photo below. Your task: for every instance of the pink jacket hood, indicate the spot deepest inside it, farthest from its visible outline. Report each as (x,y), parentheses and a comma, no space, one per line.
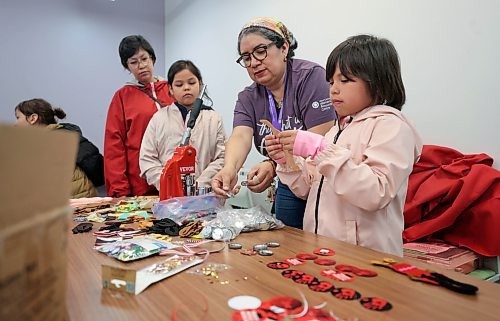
(381,110)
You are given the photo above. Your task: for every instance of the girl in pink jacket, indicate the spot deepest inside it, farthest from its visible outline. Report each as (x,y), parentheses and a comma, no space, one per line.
(355,177)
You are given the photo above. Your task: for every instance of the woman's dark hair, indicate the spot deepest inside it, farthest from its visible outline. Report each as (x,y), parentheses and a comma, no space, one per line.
(271,36)
(46,114)
(130,45)
(179,66)
(374,60)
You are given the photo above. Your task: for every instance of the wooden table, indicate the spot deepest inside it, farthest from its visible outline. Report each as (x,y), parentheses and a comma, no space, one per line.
(190,294)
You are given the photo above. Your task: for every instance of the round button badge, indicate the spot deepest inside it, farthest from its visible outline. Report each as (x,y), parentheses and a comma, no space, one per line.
(324,251)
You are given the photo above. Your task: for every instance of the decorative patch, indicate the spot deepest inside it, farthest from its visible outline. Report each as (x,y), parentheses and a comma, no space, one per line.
(375,304)
(345,294)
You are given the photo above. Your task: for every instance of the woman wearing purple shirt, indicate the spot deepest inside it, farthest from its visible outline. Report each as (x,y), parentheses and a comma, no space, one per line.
(290,93)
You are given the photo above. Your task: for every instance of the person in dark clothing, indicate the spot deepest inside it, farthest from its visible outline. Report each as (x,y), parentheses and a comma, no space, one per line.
(89,159)
(89,167)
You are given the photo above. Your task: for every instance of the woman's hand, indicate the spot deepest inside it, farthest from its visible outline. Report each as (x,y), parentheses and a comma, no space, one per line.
(225,181)
(260,177)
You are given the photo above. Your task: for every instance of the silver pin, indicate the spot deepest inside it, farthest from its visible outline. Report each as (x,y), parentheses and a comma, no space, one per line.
(255,181)
(259,247)
(265,252)
(234,246)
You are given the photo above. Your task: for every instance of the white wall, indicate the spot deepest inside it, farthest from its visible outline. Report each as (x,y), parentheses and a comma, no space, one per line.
(66,51)
(449,51)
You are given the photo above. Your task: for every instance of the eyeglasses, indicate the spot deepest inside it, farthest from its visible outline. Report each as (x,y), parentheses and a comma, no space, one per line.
(259,53)
(136,63)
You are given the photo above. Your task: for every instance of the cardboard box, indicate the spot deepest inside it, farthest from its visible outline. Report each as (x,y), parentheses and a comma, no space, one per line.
(36,168)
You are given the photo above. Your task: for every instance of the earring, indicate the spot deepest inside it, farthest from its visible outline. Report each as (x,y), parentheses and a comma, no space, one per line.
(284,59)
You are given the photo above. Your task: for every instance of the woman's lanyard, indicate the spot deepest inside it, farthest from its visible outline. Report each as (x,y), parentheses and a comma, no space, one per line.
(276,119)
(157,102)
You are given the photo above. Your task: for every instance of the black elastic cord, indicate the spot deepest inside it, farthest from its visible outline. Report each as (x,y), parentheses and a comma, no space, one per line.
(316,210)
(451,284)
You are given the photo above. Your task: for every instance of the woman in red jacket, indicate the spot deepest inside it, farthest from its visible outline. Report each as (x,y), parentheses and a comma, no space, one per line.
(129,113)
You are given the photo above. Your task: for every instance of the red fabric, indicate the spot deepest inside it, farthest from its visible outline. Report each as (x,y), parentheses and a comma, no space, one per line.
(455,198)
(128,116)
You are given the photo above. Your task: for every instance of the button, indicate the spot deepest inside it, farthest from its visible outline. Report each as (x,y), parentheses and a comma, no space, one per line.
(265,252)
(234,246)
(260,247)
(278,265)
(324,262)
(306,256)
(324,251)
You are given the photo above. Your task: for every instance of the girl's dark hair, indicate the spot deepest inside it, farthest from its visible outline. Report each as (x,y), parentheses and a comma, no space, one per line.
(46,114)
(130,45)
(271,36)
(179,66)
(374,60)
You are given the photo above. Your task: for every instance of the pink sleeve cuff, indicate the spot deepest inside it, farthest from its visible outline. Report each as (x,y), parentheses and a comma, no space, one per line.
(308,144)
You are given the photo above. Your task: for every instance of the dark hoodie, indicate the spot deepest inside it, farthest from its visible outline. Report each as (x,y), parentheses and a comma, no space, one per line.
(88,158)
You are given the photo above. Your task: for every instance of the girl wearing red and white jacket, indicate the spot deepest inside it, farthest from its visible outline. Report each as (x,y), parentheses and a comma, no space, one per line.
(356,177)
(128,116)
